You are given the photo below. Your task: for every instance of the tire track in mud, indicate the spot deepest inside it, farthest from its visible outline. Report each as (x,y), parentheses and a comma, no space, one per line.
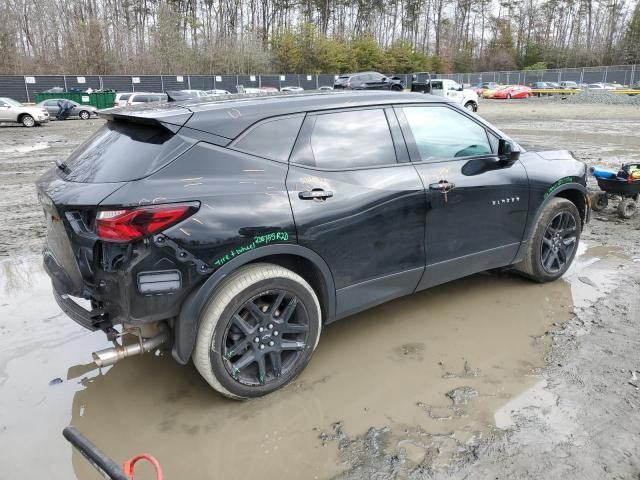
(25,153)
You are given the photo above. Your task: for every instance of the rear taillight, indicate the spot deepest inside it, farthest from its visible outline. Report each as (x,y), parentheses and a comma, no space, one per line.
(127,224)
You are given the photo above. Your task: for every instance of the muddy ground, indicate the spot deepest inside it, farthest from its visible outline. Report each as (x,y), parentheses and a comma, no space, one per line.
(486,377)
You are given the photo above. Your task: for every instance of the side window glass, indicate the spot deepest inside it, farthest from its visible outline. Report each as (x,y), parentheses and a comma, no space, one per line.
(352,139)
(441,133)
(273,139)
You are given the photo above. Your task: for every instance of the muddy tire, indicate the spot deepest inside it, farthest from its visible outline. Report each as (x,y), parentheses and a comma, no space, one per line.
(554,242)
(84,115)
(599,201)
(627,208)
(258,331)
(28,121)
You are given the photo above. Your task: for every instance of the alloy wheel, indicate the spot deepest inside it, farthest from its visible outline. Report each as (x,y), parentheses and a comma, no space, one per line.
(265,338)
(558,242)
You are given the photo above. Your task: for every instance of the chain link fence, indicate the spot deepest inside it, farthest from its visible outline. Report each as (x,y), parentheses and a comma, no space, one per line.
(617,74)
(23,87)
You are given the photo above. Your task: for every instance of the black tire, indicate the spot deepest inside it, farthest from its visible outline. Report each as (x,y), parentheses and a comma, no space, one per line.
(245,308)
(627,208)
(84,115)
(397,88)
(27,121)
(542,263)
(599,201)
(471,106)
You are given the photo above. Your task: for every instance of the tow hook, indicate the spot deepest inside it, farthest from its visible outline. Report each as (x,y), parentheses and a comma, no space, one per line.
(110,356)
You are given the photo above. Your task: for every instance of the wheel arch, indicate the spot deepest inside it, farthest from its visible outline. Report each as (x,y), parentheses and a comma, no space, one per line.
(22,115)
(575,193)
(303,261)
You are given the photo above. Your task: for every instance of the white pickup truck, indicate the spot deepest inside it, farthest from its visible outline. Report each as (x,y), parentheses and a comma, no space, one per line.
(442,87)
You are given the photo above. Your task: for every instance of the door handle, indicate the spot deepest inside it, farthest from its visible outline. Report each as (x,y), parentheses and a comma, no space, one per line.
(315,194)
(441,186)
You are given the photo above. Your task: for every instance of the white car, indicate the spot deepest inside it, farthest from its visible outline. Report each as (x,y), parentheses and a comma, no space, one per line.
(454,92)
(292,89)
(146,97)
(121,99)
(14,112)
(216,91)
(195,93)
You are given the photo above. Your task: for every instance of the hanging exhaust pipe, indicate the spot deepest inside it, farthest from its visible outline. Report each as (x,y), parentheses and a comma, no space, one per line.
(110,356)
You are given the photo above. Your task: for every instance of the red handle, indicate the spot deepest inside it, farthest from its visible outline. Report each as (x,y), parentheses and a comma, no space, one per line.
(129,465)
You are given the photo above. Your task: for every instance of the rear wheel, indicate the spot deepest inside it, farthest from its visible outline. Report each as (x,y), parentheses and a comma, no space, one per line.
(471,106)
(27,121)
(599,201)
(627,208)
(554,242)
(397,88)
(84,115)
(258,331)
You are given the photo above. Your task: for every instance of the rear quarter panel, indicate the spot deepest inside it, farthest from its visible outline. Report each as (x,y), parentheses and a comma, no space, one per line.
(243,201)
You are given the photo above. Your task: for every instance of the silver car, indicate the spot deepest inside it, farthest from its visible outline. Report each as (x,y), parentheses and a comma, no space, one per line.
(13,111)
(85,112)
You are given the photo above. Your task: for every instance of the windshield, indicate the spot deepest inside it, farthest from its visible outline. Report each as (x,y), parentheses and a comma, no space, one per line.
(11,102)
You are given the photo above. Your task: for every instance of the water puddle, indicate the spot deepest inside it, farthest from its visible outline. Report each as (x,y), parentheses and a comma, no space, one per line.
(436,365)
(25,148)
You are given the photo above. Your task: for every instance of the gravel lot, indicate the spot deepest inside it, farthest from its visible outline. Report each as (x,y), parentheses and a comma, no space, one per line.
(486,377)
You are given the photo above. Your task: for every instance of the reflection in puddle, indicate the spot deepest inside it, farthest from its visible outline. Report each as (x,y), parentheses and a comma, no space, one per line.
(441,361)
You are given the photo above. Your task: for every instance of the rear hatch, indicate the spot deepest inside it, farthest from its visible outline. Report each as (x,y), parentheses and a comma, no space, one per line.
(341,81)
(131,145)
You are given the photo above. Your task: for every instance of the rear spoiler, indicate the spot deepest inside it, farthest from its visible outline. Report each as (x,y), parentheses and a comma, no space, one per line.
(171,117)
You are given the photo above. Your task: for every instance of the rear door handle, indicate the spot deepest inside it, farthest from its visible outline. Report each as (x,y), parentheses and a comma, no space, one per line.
(315,194)
(441,186)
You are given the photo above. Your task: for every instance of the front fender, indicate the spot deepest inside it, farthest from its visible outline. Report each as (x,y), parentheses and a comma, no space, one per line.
(533,219)
(186,327)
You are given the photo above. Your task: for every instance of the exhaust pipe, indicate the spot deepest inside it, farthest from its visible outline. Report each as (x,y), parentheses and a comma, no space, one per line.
(110,356)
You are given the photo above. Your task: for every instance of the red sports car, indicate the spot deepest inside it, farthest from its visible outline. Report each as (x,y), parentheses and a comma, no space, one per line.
(514,91)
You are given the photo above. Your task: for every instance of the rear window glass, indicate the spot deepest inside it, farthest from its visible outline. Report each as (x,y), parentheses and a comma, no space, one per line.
(273,139)
(124,96)
(123,151)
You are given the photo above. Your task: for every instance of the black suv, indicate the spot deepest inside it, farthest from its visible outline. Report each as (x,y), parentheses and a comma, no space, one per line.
(246,224)
(368,81)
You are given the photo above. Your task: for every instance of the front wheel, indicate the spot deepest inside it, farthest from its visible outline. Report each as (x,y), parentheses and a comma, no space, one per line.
(28,121)
(554,242)
(84,115)
(627,208)
(258,331)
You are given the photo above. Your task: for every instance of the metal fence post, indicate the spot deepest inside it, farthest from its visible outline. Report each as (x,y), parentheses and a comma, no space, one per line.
(581,76)
(260,81)
(317,82)
(161,82)
(26,87)
(189,81)
(633,73)
(64,80)
(606,70)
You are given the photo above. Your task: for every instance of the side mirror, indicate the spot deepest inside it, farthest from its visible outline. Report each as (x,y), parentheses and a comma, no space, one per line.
(507,151)
(461,89)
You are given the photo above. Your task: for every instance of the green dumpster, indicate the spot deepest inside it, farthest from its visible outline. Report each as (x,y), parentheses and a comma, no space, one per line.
(97,99)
